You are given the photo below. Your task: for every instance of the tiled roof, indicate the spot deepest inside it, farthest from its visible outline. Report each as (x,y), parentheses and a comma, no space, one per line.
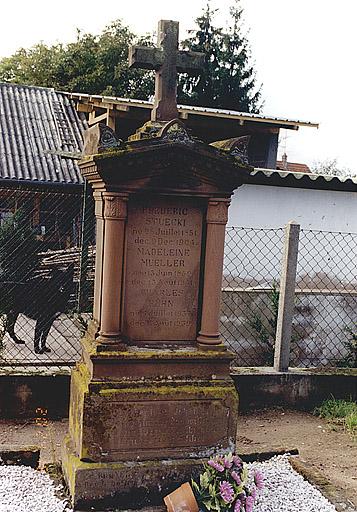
(40,135)
(292,166)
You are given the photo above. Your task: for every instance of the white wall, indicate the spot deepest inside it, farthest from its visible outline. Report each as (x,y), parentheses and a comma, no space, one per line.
(262,206)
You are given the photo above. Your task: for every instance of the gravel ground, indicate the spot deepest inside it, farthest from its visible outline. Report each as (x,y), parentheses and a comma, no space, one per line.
(287,491)
(22,489)
(322,447)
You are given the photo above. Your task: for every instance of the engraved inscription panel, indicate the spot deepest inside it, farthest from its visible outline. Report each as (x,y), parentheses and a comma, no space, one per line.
(162,269)
(172,425)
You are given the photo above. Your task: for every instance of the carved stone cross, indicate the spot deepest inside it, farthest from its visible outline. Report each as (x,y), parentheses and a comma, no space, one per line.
(167,61)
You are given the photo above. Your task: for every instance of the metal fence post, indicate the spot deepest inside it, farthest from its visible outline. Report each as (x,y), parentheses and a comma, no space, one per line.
(286,297)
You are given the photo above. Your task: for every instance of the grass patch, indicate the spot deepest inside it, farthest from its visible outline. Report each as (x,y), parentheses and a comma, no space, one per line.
(341,412)
(351,424)
(334,408)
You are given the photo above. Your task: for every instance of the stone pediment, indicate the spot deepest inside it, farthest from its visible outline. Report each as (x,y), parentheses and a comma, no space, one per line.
(163,163)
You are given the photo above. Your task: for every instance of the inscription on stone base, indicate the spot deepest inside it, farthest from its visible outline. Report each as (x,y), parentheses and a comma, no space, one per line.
(127,485)
(162,270)
(159,429)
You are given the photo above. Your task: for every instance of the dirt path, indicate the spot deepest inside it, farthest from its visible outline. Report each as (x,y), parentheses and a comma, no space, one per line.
(328,450)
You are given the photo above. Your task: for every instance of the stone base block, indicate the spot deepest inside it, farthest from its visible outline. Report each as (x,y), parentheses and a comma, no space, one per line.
(154,418)
(137,434)
(124,485)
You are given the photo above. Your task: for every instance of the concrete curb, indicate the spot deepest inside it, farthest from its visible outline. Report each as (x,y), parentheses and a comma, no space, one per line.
(338,497)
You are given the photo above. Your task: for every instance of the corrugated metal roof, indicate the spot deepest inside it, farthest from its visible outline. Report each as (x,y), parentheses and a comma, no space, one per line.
(305,180)
(40,133)
(214,112)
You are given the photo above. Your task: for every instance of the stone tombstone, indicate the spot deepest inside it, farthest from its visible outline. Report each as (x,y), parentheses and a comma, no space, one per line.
(162,273)
(152,396)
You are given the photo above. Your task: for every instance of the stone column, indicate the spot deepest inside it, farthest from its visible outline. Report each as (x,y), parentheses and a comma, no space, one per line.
(217,216)
(112,214)
(99,255)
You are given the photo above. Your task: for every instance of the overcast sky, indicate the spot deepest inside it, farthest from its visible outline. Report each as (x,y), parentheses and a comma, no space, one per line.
(304,53)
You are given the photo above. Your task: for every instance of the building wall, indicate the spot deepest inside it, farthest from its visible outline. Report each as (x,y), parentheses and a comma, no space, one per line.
(261,206)
(264,207)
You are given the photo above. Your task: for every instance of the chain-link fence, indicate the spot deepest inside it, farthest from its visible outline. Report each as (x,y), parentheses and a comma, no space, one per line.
(47,251)
(251,272)
(325,320)
(46,274)
(325,313)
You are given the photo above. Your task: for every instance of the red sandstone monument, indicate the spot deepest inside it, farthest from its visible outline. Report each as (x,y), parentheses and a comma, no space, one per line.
(152,396)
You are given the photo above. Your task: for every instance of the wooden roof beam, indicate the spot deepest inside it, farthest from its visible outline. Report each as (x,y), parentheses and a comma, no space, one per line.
(121,108)
(84,107)
(110,106)
(93,119)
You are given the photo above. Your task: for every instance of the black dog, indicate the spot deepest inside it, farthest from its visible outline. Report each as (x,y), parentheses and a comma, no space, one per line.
(42,299)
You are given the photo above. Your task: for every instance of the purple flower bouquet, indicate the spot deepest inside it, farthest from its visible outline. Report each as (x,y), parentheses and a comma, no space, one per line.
(226,485)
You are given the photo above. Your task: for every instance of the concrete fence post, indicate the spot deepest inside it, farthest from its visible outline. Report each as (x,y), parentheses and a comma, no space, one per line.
(286,297)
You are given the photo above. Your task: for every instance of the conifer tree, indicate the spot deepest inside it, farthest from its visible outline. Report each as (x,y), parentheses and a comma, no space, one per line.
(228,79)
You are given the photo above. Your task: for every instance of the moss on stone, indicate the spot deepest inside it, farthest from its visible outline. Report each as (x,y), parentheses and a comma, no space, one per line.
(348,372)
(175,389)
(137,353)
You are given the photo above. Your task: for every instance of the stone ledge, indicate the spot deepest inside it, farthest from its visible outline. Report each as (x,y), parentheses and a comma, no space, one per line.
(16,455)
(35,371)
(262,456)
(262,387)
(269,370)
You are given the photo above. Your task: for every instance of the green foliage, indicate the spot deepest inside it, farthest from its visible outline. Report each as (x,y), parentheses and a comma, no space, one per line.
(335,408)
(265,326)
(226,485)
(98,64)
(340,411)
(95,64)
(228,79)
(351,424)
(350,359)
(19,247)
(34,66)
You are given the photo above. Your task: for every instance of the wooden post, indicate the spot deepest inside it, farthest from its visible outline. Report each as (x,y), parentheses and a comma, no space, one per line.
(110,119)
(36,211)
(286,298)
